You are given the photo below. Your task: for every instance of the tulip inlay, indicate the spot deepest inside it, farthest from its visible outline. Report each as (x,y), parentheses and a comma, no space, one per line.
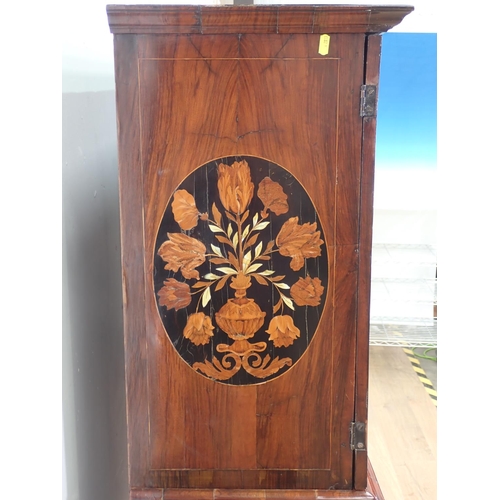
(241,270)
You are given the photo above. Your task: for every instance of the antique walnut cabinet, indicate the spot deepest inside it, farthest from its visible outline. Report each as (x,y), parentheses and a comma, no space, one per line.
(246,158)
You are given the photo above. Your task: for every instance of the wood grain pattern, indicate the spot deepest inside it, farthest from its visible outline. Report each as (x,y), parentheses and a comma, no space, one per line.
(256,131)
(131,228)
(373,47)
(240,478)
(235,494)
(246,142)
(199,429)
(202,431)
(155,19)
(232,82)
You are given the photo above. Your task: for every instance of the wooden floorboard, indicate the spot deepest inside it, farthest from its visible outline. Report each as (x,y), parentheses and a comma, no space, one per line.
(402,428)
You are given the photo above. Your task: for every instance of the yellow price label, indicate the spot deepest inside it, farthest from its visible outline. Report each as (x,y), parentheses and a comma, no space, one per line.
(324,44)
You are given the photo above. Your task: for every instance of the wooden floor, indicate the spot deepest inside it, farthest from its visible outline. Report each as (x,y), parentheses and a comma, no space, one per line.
(402,428)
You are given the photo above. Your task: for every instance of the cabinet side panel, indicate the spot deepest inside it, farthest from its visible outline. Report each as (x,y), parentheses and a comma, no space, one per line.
(347,191)
(373,47)
(349,140)
(131,221)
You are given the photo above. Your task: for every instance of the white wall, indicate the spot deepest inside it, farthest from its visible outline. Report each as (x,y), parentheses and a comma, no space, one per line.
(95,460)
(87,44)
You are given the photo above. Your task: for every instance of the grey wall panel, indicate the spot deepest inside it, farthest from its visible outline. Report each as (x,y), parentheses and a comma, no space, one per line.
(93,363)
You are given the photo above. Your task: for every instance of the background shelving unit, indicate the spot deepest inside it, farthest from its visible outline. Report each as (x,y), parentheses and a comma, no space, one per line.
(404,295)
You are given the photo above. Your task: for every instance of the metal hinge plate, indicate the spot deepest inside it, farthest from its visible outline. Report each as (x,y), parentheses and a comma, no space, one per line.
(368,100)
(358,436)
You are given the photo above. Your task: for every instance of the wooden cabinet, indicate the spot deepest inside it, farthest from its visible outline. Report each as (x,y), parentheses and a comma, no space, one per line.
(246,157)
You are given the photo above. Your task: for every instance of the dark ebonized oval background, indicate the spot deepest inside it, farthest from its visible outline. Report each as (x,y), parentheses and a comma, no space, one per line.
(180,292)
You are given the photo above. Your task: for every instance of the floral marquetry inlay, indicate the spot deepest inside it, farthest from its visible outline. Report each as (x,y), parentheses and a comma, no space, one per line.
(241,270)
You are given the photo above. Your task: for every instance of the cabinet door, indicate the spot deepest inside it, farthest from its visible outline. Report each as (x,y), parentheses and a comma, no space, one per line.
(240,183)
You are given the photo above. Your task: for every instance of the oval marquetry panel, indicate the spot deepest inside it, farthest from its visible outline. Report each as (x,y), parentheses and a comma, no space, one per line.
(240,270)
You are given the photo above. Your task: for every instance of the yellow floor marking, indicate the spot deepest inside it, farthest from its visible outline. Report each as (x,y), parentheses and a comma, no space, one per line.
(420,372)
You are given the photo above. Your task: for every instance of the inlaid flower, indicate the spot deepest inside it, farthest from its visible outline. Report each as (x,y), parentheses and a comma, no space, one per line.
(235,186)
(272,196)
(299,242)
(307,291)
(282,331)
(174,294)
(198,329)
(184,209)
(182,252)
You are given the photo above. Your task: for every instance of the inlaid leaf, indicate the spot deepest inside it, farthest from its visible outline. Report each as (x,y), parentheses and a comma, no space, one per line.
(231,217)
(276,308)
(244,217)
(218,260)
(277,278)
(233,260)
(267,272)
(247,259)
(200,284)
(217,215)
(235,240)
(245,232)
(262,225)
(253,268)
(283,286)
(229,230)
(260,279)
(269,247)
(216,250)
(251,241)
(211,276)
(258,249)
(205,298)
(223,239)
(226,270)
(215,229)
(255,219)
(288,302)
(222,282)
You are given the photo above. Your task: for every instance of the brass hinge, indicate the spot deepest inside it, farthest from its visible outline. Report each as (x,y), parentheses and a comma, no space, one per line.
(368,100)
(358,436)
